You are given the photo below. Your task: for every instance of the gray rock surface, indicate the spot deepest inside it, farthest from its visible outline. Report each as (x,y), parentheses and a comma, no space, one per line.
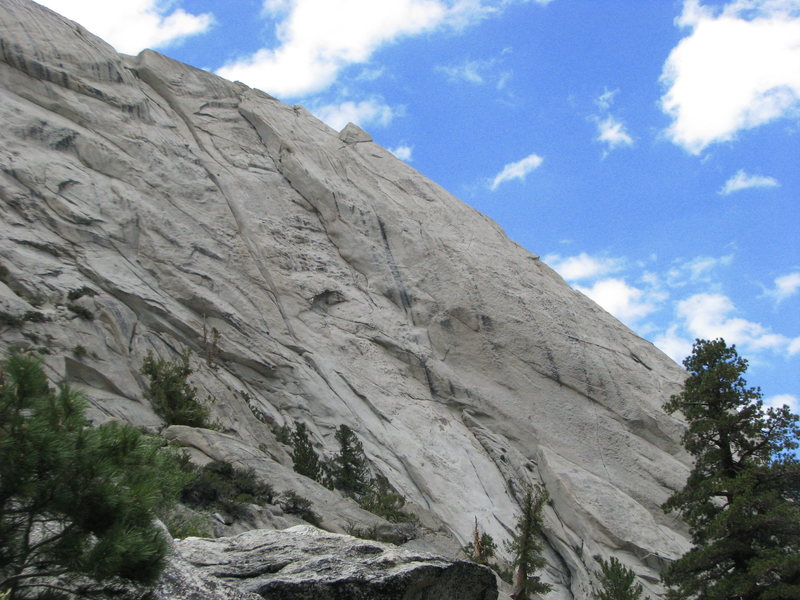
(306,563)
(346,288)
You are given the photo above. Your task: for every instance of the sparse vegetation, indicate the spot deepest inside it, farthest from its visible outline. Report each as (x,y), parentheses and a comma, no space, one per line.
(382,499)
(182,522)
(482,548)
(35,299)
(220,485)
(295,504)
(80,293)
(81,311)
(34,316)
(80,351)
(171,395)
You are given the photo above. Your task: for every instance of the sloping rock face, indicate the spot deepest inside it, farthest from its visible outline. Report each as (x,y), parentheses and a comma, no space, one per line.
(304,563)
(345,288)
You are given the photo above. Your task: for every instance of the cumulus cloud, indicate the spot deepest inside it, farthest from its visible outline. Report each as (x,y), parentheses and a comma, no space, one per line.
(708,316)
(743,181)
(582,266)
(785,286)
(133,25)
(316,39)
(516,170)
(673,344)
(738,68)
(403,152)
(367,112)
(625,302)
(783,399)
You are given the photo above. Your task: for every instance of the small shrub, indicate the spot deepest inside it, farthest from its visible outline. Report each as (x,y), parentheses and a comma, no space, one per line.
(222,486)
(188,523)
(35,300)
(80,351)
(172,397)
(283,434)
(295,504)
(482,548)
(34,316)
(80,293)
(9,320)
(81,311)
(382,499)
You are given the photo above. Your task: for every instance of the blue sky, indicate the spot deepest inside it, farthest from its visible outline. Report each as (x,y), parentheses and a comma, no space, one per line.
(648,151)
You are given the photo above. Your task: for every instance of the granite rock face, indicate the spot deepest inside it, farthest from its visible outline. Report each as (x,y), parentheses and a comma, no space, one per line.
(145,205)
(305,563)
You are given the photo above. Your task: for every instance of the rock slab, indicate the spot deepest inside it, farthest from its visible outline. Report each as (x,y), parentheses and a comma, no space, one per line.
(306,563)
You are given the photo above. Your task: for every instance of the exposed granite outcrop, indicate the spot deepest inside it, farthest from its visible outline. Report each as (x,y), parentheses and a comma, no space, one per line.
(345,288)
(306,563)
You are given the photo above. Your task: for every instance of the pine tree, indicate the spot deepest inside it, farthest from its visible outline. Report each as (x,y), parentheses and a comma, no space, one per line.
(618,581)
(741,498)
(527,548)
(350,466)
(77,503)
(306,461)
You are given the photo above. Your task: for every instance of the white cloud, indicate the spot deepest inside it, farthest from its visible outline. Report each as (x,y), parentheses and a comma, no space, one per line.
(778,401)
(366,112)
(699,269)
(707,316)
(516,170)
(471,71)
(610,130)
(625,302)
(403,152)
(606,99)
(132,25)
(743,181)
(737,69)
(319,38)
(613,133)
(785,286)
(673,345)
(582,266)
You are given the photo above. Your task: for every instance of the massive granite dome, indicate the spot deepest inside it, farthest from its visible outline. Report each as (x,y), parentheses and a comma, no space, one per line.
(345,287)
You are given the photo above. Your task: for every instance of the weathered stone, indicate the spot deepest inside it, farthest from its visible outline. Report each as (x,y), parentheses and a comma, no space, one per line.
(305,563)
(346,288)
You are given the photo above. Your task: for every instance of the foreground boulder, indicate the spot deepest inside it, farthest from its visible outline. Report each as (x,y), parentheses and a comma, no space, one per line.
(307,563)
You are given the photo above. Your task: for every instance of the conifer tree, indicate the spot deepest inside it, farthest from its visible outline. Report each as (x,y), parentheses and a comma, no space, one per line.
(77,503)
(527,548)
(618,581)
(741,498)
(350,467)
(306,461)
